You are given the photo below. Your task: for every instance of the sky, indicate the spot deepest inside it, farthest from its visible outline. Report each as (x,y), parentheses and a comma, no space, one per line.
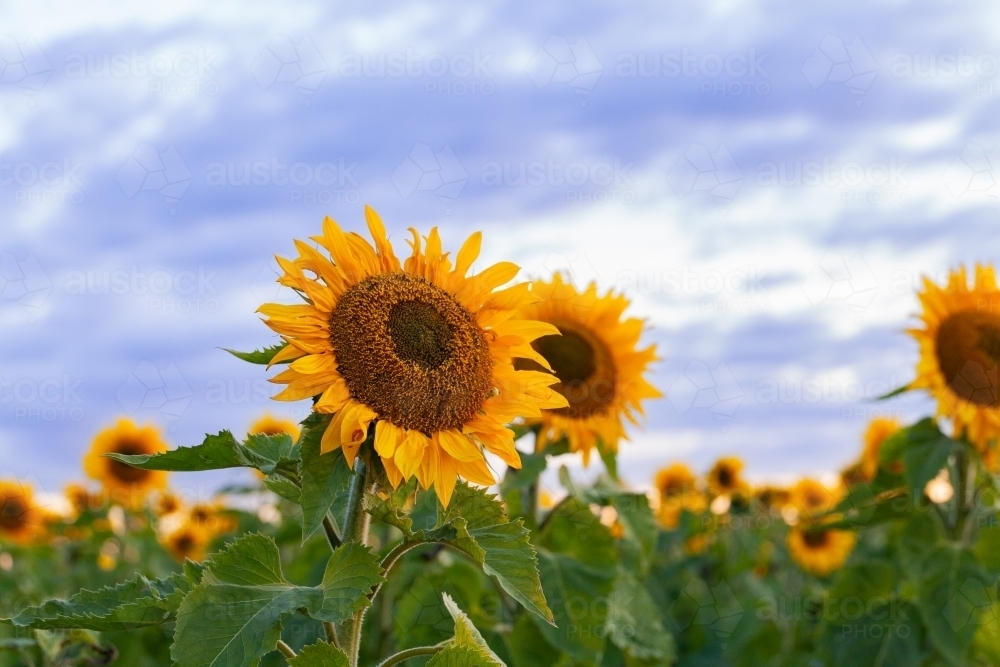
(766,181)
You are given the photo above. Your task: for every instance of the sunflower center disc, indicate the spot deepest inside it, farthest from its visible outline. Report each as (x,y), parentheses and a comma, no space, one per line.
(123,471)
(725,478)
(409,351)
(12,513)
(968,351)
(815,538)
(584,366)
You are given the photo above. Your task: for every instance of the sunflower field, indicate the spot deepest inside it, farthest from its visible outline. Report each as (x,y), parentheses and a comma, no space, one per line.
(405,521)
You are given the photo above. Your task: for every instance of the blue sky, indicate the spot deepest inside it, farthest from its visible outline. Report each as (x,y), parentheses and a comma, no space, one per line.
(766,180)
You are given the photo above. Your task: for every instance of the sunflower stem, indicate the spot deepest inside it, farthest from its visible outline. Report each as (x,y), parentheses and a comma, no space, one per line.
(410,653)
(286,650)
(356,528)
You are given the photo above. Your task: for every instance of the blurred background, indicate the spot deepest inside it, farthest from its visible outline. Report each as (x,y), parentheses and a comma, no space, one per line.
(766,181)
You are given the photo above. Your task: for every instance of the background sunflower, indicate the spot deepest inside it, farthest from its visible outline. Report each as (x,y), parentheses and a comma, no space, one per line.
(960,352)
(597,362)
(122,483)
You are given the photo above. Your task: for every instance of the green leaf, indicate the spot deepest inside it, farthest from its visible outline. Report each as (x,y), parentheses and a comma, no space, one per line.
(263,356)
(633,622)
(895,392)
(924,450)
(467,648)
(133,604)
(610,459)
(951,595)
(576,559)
(233,617)
(638,521)
(388,512)
(987,547)
(476,524)
(325,478)
(351,573)
(277,449)
(887,634)
(216,452)
(319,654)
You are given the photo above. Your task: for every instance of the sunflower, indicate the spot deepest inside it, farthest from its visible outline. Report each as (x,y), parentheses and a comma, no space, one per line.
(820,550)
(811,497)
(772,497)
(187,541)
(420,350)
(211,518)
(879,430)
(674,479)
(124,484)
(725,477)
(270,425)
(81,498)
(596,361)
(166,502)
(22,521)
(960,352)
(671,507)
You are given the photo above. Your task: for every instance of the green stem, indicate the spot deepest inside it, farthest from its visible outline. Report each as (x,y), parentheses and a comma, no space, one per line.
(286,650)
(356,530)
(331,532)
(391,559)
(409,653)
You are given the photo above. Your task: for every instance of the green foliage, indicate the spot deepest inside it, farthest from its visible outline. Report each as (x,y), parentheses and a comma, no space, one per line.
(319,654)
(325,478)
(267,453)
(262,356)
(467,648)
(233,617)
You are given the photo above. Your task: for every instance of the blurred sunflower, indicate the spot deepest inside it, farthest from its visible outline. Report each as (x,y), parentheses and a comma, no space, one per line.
(879,430)
(271,425)
(960,352)
(811,497)
(672,506)
(772,497)
(674,479)
(124,484)
(211,518)
(726,478)
(81,499)
(22,521)
(820,550)
(420,350)
(166,502)
(187,541)
(597,362)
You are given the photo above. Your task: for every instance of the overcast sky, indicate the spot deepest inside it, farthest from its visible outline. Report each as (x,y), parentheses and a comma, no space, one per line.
(766,180)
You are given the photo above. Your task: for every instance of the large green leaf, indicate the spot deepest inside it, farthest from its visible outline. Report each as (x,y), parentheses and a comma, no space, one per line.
(320,654)
(576,559)
(325,478)
(233,617)
(634,625)
(924,450)
(476,524)
(467,648)
(262,356)
(887,634)
(951,596)
(133,604)
(216,452)
(483,531)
